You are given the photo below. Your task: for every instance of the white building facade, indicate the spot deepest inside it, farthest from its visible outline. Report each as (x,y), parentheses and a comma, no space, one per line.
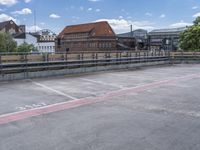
(26,38)
(44,42)
(46,47)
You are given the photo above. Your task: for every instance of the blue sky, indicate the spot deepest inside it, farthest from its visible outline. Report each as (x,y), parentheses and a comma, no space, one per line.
(56,14)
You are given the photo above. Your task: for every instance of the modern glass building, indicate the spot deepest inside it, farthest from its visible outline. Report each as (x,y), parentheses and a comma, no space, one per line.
(165,39)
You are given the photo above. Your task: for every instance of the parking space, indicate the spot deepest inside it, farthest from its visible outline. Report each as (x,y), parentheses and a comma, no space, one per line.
(150,108)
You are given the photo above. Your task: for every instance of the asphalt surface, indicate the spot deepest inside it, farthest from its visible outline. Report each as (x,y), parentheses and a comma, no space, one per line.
(146,109)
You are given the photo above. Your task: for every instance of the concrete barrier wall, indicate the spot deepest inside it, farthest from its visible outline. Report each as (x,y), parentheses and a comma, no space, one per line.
(50,73)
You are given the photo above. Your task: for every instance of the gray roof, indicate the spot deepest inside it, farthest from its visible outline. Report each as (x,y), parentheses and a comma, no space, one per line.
(124,34)
(169,30)
(19,36)
(129,34)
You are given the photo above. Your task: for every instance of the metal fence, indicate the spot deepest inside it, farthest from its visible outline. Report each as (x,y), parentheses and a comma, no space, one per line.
(185,57)
(26,62)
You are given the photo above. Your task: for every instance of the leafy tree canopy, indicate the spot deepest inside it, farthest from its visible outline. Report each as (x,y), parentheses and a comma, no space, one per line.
(190,38)
(26,48)
(197,21)
(7,44)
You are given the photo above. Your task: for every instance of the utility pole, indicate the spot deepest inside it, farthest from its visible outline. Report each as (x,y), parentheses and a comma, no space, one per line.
(35,23)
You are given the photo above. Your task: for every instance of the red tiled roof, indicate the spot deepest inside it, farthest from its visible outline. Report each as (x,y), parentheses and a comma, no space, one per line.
(96,29)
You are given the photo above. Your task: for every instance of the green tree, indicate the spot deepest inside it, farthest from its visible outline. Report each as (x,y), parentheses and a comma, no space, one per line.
(26,48)
(190,38)
(197,21)
(7,44)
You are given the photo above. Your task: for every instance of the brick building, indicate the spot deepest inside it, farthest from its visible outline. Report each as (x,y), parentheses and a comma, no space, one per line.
(98,36)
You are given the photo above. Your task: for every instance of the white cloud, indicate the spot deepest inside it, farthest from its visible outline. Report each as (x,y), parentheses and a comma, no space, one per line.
(148,14)
(180,24)
(4,17)
(94,0)
(8,2)
(196,15)
(123,25)
(89,9)
(33,28)
(24,11)
(54,16)
(98,10)
(27,1)
(162,16)
(194,7)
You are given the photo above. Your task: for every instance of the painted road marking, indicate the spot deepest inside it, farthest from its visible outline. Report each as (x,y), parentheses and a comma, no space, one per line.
(53,90)
(16,116)
(32,106)
(103,83)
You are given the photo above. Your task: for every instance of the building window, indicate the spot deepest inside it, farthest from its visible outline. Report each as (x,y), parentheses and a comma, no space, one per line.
(106,45)
(103,45)
(110,45)
(100,45)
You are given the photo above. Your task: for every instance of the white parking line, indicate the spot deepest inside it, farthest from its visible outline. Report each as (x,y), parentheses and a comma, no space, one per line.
(53,90)
(103,83)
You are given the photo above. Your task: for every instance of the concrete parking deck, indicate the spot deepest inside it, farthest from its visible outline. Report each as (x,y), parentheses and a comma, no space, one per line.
(154,108)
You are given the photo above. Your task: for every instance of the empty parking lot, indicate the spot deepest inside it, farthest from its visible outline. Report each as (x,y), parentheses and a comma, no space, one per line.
(144,109)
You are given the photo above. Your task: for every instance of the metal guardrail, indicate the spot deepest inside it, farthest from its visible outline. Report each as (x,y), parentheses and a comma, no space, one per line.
(27,62)
(44,57)
(185,57)
(39,62)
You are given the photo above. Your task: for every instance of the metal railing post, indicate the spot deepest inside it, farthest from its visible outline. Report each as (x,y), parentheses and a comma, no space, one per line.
(171,57)
(26,66)
(130,56)
(65,56)
(48,57)
(139,56)
(1,64)
(182,57)
(97,56)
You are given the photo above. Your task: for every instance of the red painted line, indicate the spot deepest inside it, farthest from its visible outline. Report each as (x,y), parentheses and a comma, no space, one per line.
(16,116)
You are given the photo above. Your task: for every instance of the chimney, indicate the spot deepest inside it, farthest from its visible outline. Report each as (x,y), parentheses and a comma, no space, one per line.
(131,30)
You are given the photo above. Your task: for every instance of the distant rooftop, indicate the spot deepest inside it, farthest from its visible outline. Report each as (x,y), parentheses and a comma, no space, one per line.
(170,30)
(3,24)
(96,29)
(135,33)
